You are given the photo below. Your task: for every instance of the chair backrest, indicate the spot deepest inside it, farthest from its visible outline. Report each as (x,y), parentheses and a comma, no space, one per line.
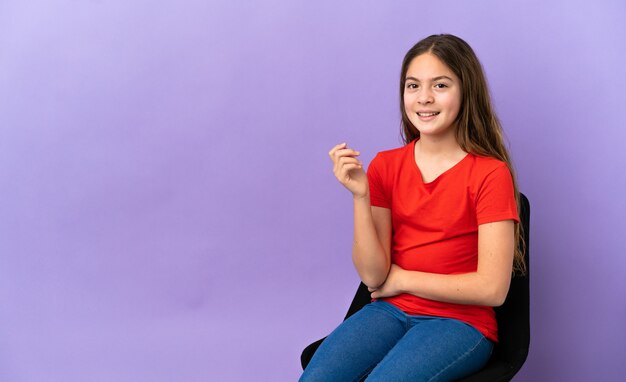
(514,315)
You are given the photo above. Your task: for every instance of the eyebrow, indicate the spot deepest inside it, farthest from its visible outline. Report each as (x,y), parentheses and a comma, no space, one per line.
(432,79)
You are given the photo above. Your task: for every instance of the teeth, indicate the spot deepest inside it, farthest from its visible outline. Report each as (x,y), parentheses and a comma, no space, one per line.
(427,114)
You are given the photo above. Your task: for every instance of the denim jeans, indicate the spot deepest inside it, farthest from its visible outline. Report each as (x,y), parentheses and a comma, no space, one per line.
(382,343)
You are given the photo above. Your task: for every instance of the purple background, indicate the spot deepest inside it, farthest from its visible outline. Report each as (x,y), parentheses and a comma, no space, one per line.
(168,210)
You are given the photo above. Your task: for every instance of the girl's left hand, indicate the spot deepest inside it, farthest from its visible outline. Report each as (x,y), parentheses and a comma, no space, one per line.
(391,286)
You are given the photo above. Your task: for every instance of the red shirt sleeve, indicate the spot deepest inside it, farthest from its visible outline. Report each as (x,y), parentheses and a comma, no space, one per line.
(496,197)
(379,195)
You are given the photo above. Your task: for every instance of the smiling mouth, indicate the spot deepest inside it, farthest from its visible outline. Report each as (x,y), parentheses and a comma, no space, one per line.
(428,114)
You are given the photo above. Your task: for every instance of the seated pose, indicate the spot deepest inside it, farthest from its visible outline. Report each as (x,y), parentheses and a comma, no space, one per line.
(436,229)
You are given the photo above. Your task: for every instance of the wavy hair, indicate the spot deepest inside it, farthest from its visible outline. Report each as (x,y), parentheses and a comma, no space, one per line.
(478,129)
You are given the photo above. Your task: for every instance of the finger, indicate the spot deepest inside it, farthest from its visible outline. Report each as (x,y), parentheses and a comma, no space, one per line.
(339,165)
(349,160)
(346,152)
(341,153)
(337,147)
(342,173)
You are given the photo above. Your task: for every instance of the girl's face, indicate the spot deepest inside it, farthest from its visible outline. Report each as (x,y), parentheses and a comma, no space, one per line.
(432,96)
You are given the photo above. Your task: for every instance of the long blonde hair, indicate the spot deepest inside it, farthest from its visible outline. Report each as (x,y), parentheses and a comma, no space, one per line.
(478,128)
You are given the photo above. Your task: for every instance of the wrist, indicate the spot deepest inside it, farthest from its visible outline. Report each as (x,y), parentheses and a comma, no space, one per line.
(401,281)
(361,198)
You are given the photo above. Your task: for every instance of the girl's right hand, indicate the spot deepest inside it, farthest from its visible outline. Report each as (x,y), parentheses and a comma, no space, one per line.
(349,170)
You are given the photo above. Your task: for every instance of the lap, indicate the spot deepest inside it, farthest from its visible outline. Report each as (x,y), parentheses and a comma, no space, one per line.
(394,347)
(434,349)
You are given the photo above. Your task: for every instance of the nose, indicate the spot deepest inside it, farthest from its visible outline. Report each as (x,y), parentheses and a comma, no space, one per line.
(425,96)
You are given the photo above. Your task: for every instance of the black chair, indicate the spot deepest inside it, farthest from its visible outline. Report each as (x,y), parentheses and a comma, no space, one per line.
(513,321)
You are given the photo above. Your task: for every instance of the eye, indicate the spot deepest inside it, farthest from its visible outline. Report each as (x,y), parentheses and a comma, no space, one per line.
(411,86)
(440,86)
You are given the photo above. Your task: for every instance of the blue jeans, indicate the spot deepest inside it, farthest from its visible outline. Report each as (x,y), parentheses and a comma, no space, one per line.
(382,343)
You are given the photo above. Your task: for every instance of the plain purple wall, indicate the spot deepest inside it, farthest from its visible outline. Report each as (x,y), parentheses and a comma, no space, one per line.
(167,207)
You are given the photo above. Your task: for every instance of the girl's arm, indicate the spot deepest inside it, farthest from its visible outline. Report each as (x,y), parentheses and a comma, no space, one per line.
(372,242)
(372,225)
(488,286)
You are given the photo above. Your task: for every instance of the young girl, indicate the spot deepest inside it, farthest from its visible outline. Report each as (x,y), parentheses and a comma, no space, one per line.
(435,230)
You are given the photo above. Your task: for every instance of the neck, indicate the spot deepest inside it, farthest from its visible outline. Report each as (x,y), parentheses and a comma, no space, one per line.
(435,146)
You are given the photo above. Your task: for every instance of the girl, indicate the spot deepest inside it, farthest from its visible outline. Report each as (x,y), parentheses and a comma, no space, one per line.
(435,230)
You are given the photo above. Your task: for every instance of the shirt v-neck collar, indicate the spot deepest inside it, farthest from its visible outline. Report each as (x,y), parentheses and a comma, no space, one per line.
(440,176)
